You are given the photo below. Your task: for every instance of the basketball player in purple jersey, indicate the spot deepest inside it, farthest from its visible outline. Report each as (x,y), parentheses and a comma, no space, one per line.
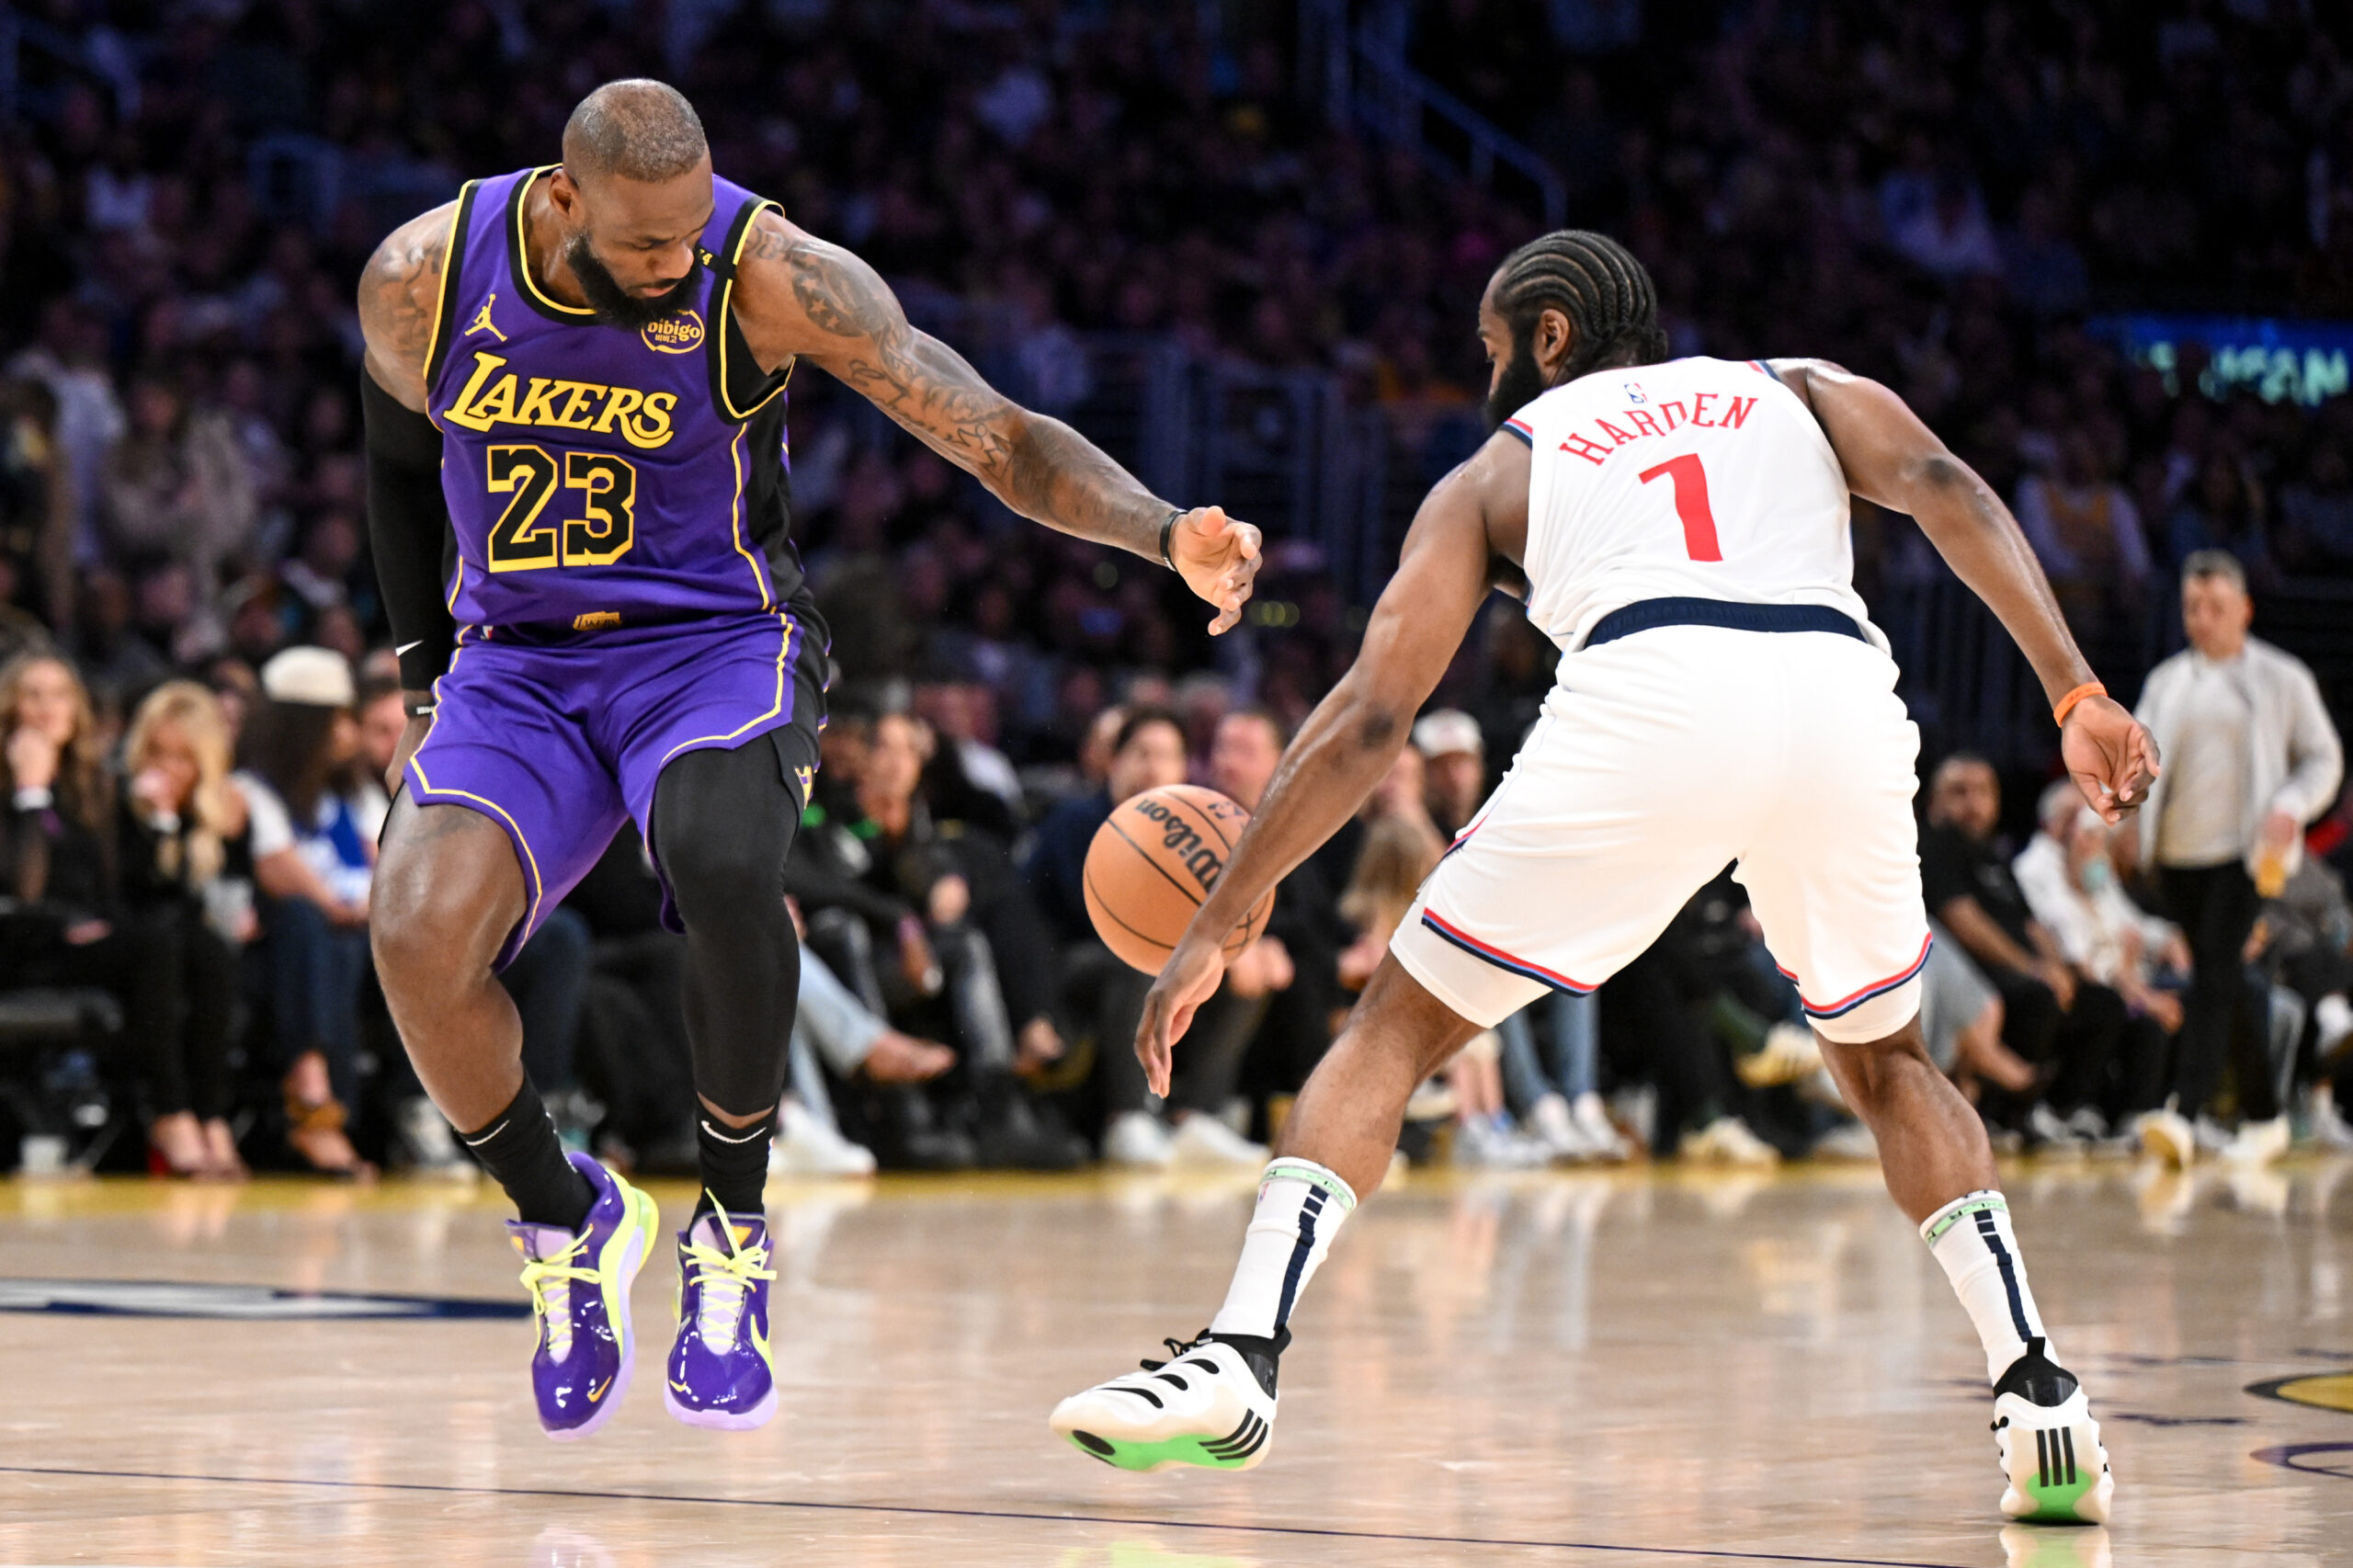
(575,397)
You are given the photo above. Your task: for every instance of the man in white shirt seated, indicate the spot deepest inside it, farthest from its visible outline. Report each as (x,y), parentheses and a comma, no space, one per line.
(2069,882)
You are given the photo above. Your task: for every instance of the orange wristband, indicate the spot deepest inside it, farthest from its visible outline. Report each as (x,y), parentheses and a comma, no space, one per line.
(2067,703)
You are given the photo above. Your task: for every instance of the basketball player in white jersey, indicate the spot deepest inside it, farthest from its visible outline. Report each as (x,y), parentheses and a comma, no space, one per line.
(1681,529)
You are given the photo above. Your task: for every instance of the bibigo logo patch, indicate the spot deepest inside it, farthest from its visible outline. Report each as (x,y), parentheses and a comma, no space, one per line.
(680,333)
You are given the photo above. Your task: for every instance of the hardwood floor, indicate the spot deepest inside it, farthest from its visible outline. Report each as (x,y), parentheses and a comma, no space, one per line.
(1649,1367)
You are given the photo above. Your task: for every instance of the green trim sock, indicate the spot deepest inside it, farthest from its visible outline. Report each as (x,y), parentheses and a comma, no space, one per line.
(1301,1206)
(520,1149)
(735,1165)
(1971,1238)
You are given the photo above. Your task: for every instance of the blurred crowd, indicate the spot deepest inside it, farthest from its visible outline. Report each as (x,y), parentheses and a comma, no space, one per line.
(198,705)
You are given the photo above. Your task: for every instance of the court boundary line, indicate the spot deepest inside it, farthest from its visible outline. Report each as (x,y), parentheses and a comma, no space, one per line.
(920,1510)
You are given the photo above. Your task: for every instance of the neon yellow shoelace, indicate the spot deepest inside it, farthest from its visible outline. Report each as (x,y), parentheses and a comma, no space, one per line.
(549,1280)
(725,1278)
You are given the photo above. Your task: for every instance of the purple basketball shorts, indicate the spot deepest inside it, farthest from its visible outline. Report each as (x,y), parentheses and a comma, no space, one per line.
(557,736)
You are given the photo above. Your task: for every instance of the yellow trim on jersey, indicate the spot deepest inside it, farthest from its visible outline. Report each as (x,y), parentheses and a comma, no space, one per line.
(416,761)
(451,253)
(736,519)
(775,708)
(523,251)
(719,320)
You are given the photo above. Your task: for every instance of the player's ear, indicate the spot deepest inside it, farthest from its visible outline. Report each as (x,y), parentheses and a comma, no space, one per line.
(565,192)
(1552,341)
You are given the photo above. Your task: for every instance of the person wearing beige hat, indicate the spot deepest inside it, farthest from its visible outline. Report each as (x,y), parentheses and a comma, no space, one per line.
(314,828)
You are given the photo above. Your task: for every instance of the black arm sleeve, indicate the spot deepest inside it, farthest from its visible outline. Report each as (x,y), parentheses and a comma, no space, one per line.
(408,527)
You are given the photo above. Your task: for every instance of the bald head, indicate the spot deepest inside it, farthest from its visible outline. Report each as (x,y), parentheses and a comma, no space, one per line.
(637,129)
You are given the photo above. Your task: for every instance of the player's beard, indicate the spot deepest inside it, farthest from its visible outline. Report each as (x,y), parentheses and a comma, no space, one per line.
(1521,383)
(614,306)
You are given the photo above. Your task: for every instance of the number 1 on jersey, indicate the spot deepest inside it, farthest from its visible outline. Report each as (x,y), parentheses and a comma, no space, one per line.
(1690,482)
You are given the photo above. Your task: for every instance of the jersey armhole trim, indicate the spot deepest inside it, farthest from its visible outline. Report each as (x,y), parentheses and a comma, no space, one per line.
(445,309)
(1767,369)
(722,316)
(1514,427)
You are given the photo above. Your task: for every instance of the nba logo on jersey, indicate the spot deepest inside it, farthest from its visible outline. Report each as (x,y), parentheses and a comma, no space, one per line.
(1635,392)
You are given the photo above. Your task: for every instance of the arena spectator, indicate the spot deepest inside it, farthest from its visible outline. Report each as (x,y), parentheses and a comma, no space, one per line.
(2068,1027)
(64,924)
(2069,883)
(2250,757)
(181,822)
(313,850)
(970,946)
(1454,759)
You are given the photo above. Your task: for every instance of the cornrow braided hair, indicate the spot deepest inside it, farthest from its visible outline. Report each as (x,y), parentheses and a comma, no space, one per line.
(1598,284)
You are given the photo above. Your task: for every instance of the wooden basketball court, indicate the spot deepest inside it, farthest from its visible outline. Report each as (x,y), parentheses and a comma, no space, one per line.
(1640,1367)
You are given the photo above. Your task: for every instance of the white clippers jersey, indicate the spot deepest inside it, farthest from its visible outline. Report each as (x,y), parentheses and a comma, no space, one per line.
(1695,479)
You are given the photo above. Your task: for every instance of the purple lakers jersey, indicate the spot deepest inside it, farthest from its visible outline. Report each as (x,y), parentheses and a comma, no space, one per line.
(598,477)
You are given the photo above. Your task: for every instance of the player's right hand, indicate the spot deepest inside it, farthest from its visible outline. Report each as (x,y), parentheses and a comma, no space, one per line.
(1218,558)
(1189,978)
(2110,756)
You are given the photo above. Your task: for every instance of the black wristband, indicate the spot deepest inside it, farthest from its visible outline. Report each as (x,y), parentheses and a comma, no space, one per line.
(1167,529)
(419,710)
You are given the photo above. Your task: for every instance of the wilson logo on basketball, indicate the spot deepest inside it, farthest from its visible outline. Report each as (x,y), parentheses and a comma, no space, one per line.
(1182,841)
(681,334)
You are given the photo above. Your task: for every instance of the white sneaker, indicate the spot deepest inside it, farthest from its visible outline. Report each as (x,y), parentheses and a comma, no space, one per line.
(2330,1130)
(2213,1138)
(2168,1135)
(1847,1141)
(1204,1406)
(1727,1140)
(2258,1143)
(2052,1459)
(1137,1138)
(427,1148)
(1494,1144)
(1593,1119)
(1203,1139)
(2334,1014)
(807,1146)
(1552,1123)
(2050,1135)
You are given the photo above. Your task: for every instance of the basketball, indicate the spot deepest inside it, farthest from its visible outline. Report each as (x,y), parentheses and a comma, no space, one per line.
(1154,862)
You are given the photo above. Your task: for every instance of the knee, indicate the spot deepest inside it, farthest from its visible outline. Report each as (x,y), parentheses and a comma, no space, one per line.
(1869,1071)
(434,925)
(718,882)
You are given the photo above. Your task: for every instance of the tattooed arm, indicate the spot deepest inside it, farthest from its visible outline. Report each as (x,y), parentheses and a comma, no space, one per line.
(798,296)
(400,293)
(408,522)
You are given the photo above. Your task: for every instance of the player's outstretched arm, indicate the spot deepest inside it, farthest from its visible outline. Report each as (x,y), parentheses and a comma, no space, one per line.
(800,295)
(1894,459)
(408,521)
(1348,744)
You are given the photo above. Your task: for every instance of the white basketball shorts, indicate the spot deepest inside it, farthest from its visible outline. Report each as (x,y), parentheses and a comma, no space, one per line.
(1659,757)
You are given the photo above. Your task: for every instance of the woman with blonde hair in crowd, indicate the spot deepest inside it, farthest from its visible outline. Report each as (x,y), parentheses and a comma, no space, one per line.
(66,925)
(179,816)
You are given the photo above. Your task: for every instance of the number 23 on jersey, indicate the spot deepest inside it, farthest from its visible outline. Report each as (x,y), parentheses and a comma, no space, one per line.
(523,540)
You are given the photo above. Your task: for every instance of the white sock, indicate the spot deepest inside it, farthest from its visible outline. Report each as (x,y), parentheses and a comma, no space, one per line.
(1301,1206)
(1971,1237)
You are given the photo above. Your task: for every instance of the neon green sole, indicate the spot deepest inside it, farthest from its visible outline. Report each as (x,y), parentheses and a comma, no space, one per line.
(2056,1505)
(1157,1456)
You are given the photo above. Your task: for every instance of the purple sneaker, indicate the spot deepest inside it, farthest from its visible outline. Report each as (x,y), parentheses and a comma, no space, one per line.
(579,1283)
(721,1373)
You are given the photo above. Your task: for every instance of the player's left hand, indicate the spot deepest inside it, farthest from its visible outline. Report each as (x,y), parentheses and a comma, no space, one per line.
(1218,558)
(2110,756)
(1189,978)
